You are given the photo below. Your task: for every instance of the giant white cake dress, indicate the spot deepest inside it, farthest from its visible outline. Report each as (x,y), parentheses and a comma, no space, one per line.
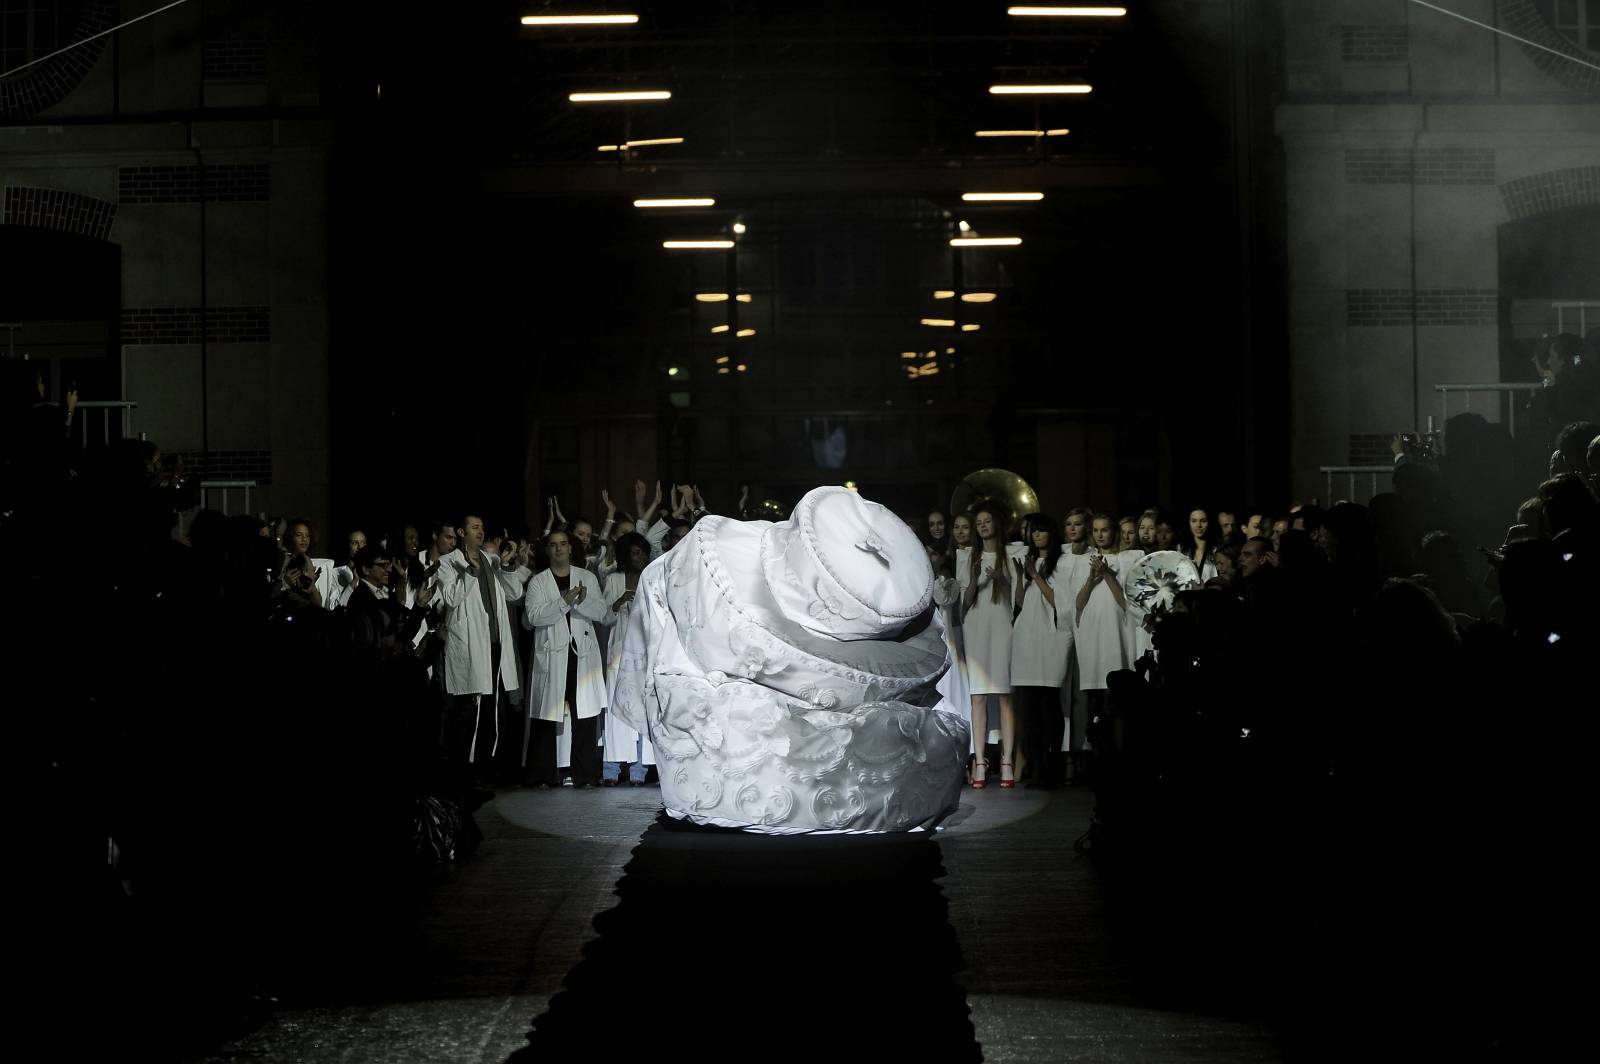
(787,673)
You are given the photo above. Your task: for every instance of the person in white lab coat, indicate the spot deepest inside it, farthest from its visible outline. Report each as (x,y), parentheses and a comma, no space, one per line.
(566,672)
(624,747)
(1041,644)
(477,589)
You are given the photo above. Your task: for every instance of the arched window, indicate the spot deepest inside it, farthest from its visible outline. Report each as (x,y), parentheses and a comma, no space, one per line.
(32,29)
(1576,20)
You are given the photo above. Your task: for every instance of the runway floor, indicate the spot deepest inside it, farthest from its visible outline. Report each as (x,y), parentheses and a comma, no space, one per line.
(600,929)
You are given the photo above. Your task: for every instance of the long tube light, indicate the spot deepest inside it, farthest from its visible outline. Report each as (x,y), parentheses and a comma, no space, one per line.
(1002,197)
(579,20)
(619,97)
(1020,133)
(985,241)
(944,293)
(696,245)
(722,297)
(719,328)
(970,327)
(977,297)
(698,201)
(940,323)
(1069,12)
(745,332)
(647,143)
(1040,90)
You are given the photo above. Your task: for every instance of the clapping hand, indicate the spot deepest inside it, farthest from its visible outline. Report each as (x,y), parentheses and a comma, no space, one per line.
(611,507)
(574,594)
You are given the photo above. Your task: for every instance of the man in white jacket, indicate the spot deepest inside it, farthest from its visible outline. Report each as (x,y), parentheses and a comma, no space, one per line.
(566,674)
(480,666)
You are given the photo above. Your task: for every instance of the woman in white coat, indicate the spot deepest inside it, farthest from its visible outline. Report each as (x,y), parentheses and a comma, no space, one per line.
(985,573)
(624,747)
(566,686)
(1041,644)
(1102,616)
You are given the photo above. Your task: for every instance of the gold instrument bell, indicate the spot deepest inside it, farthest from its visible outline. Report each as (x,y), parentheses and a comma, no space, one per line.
(1000,487)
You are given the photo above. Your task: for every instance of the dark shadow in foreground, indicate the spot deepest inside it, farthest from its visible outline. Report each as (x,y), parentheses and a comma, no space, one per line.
(786,947)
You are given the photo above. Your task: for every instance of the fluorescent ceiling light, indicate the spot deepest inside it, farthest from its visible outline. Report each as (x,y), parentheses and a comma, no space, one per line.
(944,293)
(985,241)
(1002,197)
(1069,12)
(965,228)
(1020,133)
(969,327)
(908,354)
(931,354)
(650,142)
(722,369)
(722,360)
(949,350)
(741,367)
(941,323)
(745,332)
(927,369)
(719,328)
(739,228)
(579,20)
(1040,90)
(722,297)
(1048,133)
(696,245)
(977,297)
(619,97)
(699,201)
(672,371)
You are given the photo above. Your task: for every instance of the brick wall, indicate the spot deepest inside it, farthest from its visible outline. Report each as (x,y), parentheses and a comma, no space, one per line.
(237,59)
(50,208)
(1553,190)
(230,465)
(1373,44)
(1365,307)
(224,183)
(181,325)
(1435,166)
(1370,449)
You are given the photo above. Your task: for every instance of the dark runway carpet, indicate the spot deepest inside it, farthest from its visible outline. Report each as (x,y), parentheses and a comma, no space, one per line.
(776,947)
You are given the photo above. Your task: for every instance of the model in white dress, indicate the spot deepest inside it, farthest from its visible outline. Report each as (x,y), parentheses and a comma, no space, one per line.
(1041,646)
(1135,637)
(986,576)
(1102,613)
(623,745)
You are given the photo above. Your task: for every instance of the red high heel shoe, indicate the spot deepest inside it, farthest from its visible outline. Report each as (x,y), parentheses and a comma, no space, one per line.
(980,774)
(1006,766)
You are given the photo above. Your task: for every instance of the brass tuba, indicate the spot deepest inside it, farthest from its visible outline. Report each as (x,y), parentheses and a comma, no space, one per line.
(1000,487)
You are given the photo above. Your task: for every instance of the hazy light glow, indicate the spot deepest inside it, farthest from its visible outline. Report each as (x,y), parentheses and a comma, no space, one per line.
(985,241)
(908,354)
(579,20)
(741,367)
(719,328)
(1002,197)
(722,360)
(1069,12)
(745,332)
(672,371)
(696,245)
(970,327)
(939,323)
(739,227)
(695,201)
(619,97)
(1041,90)
(1048,133)
(963,226)
(722,369)
(977,297)
(949,350)
(944,293)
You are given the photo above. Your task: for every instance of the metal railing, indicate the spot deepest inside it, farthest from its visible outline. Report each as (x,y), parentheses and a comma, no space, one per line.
(1353,471)
(106,406)
(225,486)
(1507,389)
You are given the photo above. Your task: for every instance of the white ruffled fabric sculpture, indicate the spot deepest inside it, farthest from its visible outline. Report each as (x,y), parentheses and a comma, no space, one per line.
(786,674)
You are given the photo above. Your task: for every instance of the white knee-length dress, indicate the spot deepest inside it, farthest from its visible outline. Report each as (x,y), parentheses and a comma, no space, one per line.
(1100,638)
(986,624)
(1041,637)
